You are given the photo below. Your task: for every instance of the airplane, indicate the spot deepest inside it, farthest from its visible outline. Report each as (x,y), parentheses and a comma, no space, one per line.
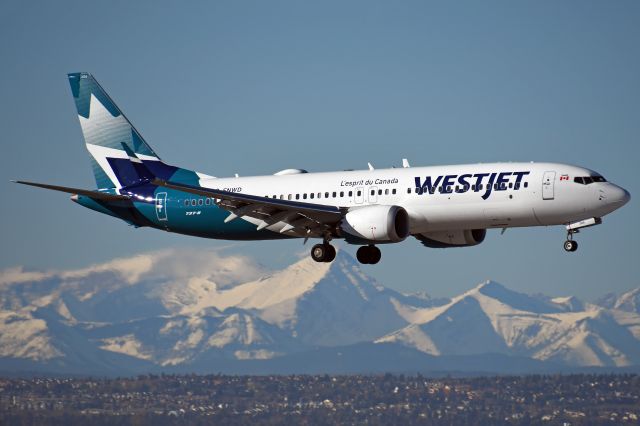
(440,206)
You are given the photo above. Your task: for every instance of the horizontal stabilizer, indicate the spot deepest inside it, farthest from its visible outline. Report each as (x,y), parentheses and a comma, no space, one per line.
(96,195)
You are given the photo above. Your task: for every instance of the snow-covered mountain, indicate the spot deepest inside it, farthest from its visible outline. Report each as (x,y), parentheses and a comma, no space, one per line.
(629,301)
(492,318)
(187,309)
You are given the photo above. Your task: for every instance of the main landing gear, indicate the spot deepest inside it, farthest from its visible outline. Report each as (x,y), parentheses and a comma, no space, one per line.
(324,252)
(369,255)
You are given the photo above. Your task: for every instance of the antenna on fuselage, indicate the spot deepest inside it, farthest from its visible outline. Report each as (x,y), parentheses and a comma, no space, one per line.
(370,166)
(405,163)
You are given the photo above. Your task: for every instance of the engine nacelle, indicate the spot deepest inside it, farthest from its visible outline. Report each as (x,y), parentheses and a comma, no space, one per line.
(382,224)
(457,238)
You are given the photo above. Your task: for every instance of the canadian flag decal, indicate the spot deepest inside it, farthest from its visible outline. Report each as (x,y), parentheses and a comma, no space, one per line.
(564,177)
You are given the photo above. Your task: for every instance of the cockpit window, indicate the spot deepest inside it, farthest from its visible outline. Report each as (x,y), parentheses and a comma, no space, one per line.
(586,180)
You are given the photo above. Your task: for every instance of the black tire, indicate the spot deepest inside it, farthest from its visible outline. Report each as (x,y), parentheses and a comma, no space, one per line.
(570,245)
(374,255)
(363,255)
(330,254)
(319,252)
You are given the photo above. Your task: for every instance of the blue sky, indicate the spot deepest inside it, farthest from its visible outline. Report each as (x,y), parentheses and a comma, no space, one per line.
(255,87)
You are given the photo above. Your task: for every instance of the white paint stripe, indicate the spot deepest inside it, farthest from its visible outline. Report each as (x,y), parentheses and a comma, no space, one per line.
(147,157)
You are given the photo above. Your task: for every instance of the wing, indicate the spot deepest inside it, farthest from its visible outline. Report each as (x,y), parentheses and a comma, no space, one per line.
(292,217)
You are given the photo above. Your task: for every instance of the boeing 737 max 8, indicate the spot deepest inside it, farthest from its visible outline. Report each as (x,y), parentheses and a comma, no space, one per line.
(442,206)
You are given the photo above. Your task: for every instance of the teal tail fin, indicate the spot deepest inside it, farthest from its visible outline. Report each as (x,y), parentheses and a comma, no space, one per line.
(106,130)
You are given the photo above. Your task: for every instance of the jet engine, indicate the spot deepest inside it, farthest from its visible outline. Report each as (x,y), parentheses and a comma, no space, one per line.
(457,238)
(376,224)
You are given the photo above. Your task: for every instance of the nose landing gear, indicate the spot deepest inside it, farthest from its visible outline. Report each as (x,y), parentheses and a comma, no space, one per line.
(369,255)
(574,228)
(570,245)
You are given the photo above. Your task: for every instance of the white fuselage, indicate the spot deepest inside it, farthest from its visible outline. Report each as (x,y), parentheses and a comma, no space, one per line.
(521,194)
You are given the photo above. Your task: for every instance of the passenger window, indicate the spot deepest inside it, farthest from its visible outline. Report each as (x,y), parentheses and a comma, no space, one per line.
(200,202)
(379,191)
(304,196)
(409,190)
(186,203)
(281,196)
(386,191)
(510,185)
(297,196)
(207,201)
(526,184)
(334,195)
(311,195)
(393,191)
(350,193)
(359,193)
(341,194)
(373,192)
(326,195)
(193,202)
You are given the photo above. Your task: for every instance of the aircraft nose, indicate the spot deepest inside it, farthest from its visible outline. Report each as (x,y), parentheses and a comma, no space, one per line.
(619,196)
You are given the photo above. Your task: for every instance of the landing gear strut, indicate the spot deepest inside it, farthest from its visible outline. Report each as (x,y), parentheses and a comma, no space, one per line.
(574,228)
(324,252)
(369,255)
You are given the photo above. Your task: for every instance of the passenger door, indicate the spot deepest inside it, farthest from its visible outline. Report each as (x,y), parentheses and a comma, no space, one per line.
(548,180)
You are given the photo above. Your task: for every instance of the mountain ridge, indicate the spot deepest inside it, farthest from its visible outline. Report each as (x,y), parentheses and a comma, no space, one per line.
(178,310)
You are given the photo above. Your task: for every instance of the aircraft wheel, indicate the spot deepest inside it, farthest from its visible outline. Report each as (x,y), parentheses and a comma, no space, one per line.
(363,255)
(319,252)
(369,255)
(331,253)
(375,255)
(570,245)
